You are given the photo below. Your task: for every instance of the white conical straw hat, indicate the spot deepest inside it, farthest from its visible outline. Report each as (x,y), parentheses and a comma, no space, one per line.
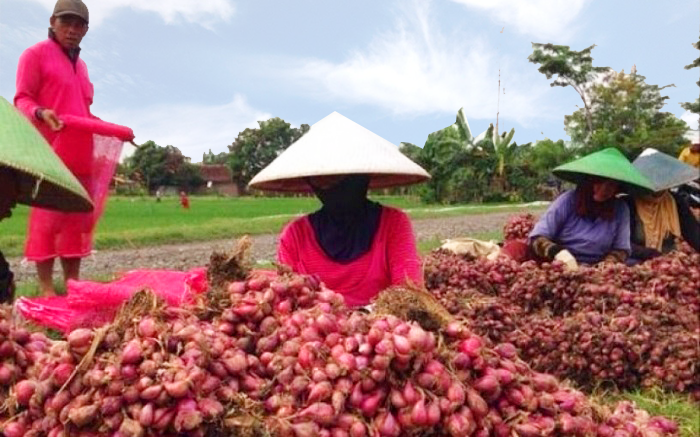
(337,145)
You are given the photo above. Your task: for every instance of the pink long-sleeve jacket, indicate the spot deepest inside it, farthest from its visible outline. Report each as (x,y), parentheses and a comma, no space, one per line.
(47,78)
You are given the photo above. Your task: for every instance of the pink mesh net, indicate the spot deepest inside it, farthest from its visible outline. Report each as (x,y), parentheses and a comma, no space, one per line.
(91,304)
(90,148)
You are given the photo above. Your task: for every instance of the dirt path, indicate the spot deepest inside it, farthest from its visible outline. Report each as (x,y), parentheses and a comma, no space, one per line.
(185,256)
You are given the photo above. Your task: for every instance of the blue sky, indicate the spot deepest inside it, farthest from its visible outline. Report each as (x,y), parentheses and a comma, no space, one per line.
(194,73)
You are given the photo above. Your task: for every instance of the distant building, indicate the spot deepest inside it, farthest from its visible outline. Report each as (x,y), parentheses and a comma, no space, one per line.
(218,178)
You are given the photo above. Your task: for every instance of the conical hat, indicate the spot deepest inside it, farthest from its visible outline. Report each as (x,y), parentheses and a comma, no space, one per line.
(664,171)
(336,145)
(608,163)
(43,180)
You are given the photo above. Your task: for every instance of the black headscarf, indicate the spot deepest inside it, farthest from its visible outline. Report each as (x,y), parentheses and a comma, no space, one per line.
(347,222)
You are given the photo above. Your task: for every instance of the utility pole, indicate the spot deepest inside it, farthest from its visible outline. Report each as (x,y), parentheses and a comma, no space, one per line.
(498,104)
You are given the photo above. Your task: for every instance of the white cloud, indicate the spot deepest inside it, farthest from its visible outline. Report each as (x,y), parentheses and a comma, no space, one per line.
(691,119)
(417,70)
(21,36)
(194,129)
(547,19)
(205,12)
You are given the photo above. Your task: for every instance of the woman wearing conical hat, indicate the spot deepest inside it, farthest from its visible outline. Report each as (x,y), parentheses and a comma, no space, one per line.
(660,218)
(589,224)
(32,174)
(357,247)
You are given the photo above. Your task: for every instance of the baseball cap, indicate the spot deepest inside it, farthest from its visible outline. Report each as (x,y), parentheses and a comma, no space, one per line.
(71,7)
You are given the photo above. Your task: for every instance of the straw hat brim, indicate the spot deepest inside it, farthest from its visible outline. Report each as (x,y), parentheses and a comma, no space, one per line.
(300,185)
(338,146)
(664,171)
(42,178)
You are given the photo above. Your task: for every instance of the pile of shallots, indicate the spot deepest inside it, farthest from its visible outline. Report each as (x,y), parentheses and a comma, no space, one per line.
(610,325)
(305,365)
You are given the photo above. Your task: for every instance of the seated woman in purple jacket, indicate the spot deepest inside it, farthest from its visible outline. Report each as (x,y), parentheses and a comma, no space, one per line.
(589,224)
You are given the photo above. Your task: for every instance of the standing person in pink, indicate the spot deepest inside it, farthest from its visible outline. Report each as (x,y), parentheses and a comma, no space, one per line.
(53,81)
(357,247)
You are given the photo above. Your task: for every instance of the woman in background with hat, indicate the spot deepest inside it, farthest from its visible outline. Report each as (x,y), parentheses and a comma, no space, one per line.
(589,224)
(660,218)
(31,173)
(357,247)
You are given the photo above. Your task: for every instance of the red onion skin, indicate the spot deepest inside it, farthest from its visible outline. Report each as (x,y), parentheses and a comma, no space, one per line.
(131,394)
(527,430)
(177,389)
(338,401)
(477,404)
(111,405)
(410,394)
(358,429)
(132,352)
(146,415)
(387,425)
(320,392)
(210,408)
(434,415)
(24,390)
(319,412)
(419,413)
(487,384)
(371,403)
(14,429)
(402,345)
(151,392)
(83,415)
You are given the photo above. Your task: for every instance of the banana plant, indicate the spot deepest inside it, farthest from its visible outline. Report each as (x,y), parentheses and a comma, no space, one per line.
(501,148)
(459,133)
(504,150)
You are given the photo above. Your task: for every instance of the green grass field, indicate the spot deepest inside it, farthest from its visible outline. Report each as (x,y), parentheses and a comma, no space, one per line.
(141,221)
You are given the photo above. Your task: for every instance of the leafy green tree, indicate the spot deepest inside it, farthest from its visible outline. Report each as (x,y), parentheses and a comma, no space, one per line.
(693,107)
(545,155)
(626,113)
(154,165)
(572,68)
(411,151)
(255,149)
(188,177)
(220,158)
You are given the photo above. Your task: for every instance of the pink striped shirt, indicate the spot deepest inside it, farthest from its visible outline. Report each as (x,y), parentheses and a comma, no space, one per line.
(392,259)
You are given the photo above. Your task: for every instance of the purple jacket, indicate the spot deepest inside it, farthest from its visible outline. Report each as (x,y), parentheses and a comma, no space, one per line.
(589,241)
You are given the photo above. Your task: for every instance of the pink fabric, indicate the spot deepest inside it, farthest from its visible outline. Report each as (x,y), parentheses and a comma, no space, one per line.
(517,249)
(392,259)
(92,304)
(90,148)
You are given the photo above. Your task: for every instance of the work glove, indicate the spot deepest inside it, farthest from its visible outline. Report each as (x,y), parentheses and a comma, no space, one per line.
(567,258)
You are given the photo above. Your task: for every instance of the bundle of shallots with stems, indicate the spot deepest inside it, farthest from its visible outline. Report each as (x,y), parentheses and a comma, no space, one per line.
(280,354)
(609,325)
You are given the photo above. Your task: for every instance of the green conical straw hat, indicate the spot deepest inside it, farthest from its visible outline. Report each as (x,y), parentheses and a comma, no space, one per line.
(42,179)
(608,163)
